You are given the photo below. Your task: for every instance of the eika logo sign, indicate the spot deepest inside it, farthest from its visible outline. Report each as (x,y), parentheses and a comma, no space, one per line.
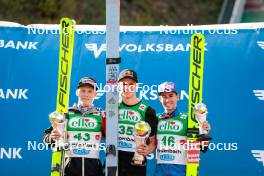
(130,115)
(83,123)
(173,126)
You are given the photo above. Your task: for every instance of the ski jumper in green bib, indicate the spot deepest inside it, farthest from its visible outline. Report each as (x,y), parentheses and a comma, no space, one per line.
(171,136)
(128,117)
(84,134)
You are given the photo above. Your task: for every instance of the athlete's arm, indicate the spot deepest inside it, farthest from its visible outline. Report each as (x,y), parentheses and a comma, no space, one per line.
(204,144)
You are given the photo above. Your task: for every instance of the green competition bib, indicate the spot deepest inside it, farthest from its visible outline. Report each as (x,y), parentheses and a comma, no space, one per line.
(128,117)
(171,136)
(84,134)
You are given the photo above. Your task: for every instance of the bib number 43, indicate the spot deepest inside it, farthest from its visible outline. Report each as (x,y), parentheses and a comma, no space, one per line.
(82,136)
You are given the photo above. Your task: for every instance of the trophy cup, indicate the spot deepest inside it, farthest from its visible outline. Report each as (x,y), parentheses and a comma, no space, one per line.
(141,133)
(58,121)
(200,110)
